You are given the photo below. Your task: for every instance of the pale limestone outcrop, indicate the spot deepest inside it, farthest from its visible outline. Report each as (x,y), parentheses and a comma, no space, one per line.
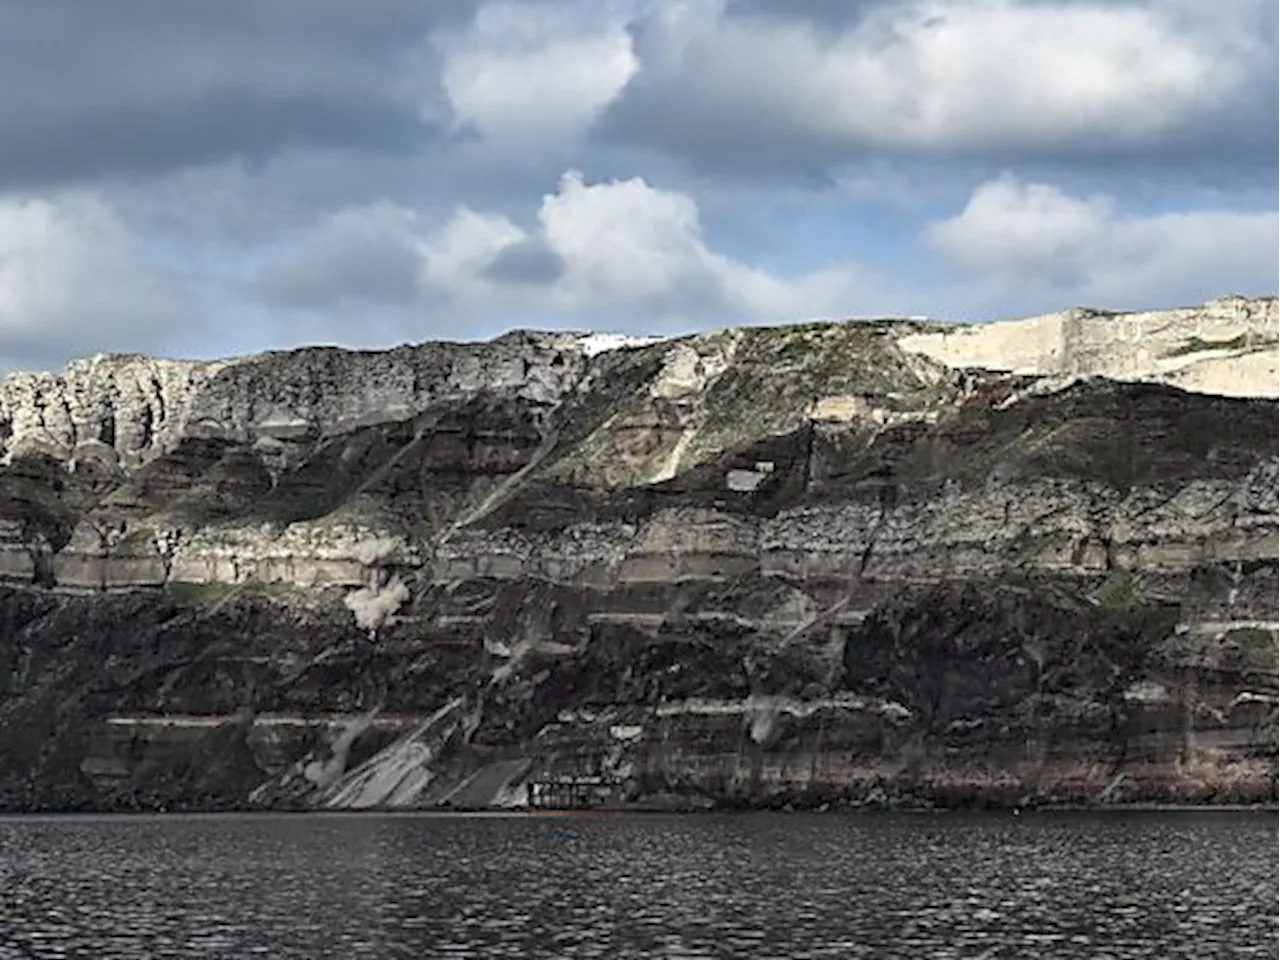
(690,367)
(1062,527)
(131,409)
(1228,346)
(303,554)
(125,407)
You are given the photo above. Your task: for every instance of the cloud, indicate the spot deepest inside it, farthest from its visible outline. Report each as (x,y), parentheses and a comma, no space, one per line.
(602,253)
(525,261)
(365,255)
(629,251)
(148,86)
(755,88)
(365,173)
(824,13)
(1033,245)
(536,73)
(74,280)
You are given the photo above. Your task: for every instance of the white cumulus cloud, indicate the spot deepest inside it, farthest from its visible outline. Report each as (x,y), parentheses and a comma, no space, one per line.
(629,250)
(619,251)
(75,280)
(940,77)
(1032,243)
(537,72)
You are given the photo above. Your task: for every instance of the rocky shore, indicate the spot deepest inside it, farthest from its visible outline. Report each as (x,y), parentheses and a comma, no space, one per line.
(833,565)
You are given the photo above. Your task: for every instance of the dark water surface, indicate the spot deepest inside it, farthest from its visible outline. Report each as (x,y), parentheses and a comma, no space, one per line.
(1112,885)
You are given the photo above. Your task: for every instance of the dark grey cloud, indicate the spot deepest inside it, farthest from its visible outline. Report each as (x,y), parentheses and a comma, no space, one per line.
(528,261)
(366,255)
(669,111)
(216,124)
(91,89)
(672,120)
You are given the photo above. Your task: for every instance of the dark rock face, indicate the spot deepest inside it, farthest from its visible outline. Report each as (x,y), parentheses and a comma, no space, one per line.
(765,567)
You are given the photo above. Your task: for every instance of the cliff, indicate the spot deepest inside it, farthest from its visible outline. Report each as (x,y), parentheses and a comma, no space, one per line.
(863,562)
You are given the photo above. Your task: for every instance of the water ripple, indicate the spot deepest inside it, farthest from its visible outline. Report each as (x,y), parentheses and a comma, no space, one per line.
(1114,886)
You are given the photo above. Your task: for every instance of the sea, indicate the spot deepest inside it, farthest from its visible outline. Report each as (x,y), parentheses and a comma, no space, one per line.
(1097,885)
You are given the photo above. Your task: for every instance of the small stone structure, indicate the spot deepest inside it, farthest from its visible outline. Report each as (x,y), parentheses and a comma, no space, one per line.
(571,792)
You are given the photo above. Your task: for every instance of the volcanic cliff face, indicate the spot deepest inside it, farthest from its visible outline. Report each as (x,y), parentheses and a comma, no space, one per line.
(865,562)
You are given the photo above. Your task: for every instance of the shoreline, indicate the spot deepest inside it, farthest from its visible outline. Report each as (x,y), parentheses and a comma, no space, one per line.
(642,810)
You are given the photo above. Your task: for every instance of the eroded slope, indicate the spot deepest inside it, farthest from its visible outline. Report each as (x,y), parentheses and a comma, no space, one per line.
(828,563)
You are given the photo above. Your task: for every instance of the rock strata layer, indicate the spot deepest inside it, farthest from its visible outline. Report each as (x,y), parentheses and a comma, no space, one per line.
(862,563)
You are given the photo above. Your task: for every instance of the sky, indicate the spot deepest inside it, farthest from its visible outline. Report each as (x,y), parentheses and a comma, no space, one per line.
(188,178)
